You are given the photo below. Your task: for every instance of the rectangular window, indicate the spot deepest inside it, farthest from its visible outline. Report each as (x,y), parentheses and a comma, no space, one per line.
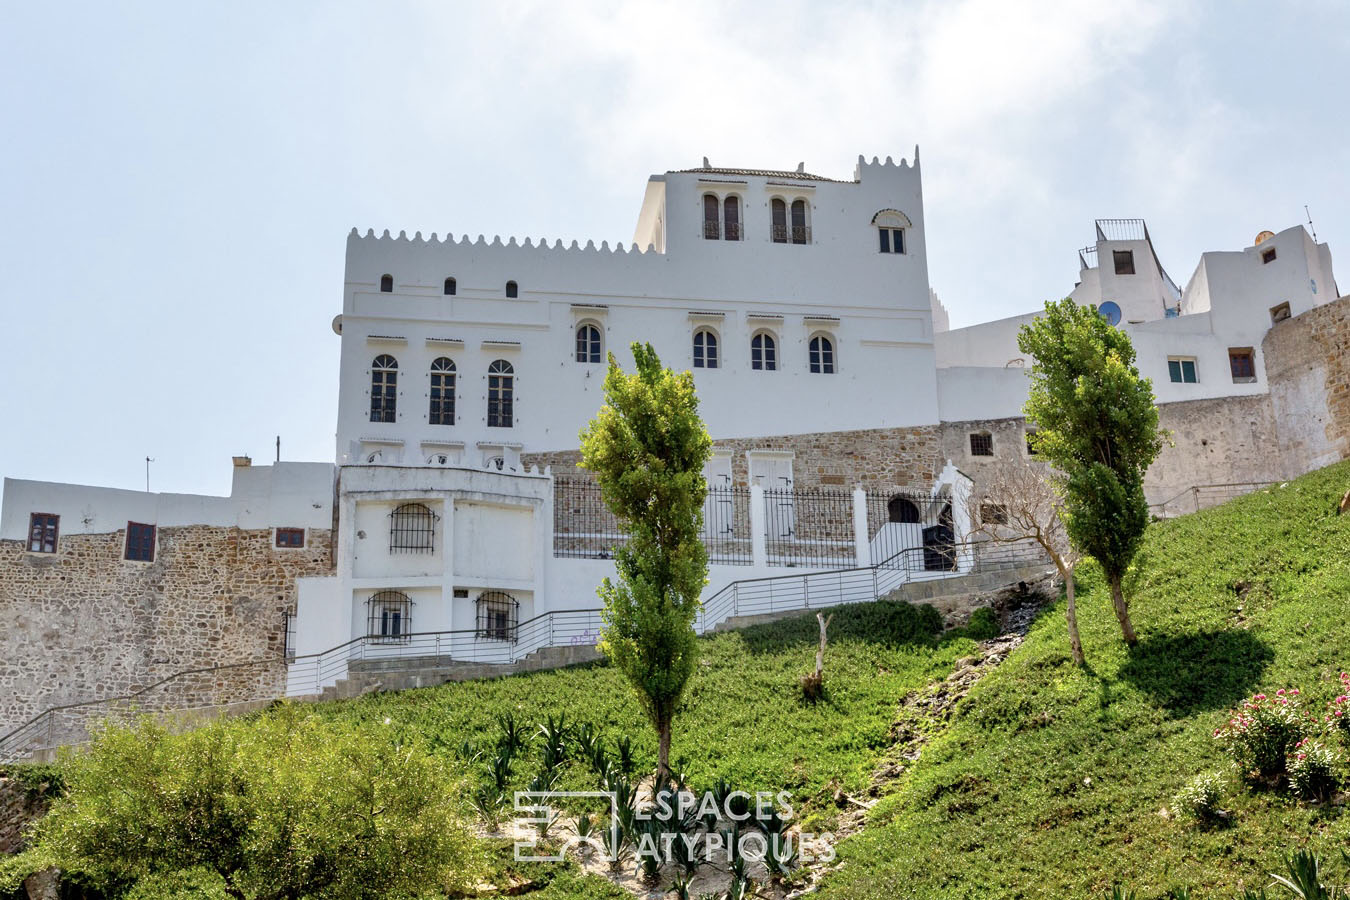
(994,514)
(1124,260)
(1181,370)
(1268,256)
(140,542)
(982,444)
(291,537)
(43,529)
(885,239)
(1242,363)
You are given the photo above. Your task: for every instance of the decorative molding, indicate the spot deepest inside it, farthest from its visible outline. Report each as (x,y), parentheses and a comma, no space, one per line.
(386,339)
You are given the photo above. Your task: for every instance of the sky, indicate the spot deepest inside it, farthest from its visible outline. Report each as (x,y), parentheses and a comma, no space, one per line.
(177,179)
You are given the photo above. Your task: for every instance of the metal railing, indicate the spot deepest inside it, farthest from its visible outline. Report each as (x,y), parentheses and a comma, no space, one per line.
(584,528)
(308,674)
(726,525)
(1203,496)
(809,528)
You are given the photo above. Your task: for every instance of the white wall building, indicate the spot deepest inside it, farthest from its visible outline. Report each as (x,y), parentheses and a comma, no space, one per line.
(803,308)
(1200,343)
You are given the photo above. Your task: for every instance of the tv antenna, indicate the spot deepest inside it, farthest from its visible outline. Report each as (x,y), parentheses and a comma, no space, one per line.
(1310,224)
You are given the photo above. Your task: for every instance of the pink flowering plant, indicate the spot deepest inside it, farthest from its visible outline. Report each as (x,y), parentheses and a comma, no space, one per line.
(1313,770)
(1338,709)
(1261,734)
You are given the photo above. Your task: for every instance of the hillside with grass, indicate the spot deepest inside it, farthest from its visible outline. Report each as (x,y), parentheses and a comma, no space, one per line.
(1056,782)
(1045,780)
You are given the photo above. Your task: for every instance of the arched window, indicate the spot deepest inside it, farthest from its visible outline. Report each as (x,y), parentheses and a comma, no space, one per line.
(512,290)
(588,343)
(501,394)
(705,349)
(712,220)
(822,355)
(891,225)
(383,388)
(442,410)
(450,287)
(386,284)
(764,352)
(389,616)
(412,529)
(498,615)
(731,218)
(779,231)
(903,510)
(801,232)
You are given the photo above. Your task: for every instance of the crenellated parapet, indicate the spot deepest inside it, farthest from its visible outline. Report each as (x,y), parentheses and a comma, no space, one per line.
(466,242)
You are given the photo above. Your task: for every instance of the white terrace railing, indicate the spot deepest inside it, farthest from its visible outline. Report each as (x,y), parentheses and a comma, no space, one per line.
(1203,496)
(307,675)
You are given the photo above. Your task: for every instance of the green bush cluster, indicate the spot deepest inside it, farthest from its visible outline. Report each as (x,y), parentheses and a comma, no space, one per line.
(284,806)
(1200,798)
(983,624)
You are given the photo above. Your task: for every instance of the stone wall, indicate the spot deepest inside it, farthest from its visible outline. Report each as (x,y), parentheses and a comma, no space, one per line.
(18,807)
(86,624)
(883,459)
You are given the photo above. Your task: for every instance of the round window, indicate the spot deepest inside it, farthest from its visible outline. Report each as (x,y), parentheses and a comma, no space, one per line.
(1110,311)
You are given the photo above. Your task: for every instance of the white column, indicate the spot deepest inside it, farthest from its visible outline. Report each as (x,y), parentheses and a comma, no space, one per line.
(759,552)
(860,535)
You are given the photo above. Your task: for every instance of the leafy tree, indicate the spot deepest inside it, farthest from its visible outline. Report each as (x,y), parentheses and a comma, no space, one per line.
(282,807)
(647,447)
(1097,423)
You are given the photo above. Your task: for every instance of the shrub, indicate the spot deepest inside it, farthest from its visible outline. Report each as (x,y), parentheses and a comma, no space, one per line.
(1312,770)
(1199,799)
(983,624)
(283,806)
(1262,733)
(1338,710)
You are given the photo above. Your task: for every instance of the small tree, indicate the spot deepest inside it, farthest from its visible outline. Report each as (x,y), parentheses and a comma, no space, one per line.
(647,447)
(1098,425)
(1031,504)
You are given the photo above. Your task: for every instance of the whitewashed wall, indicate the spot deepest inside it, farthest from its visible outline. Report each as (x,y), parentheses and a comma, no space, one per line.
(883,333)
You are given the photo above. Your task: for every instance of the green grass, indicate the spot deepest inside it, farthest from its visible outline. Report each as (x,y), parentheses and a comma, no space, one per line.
(1052,781)
(744,719)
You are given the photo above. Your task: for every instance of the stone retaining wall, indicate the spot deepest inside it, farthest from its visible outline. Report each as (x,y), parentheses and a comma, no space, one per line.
(84,623)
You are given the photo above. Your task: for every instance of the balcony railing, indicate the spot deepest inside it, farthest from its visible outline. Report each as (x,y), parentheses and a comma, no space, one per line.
(796,234)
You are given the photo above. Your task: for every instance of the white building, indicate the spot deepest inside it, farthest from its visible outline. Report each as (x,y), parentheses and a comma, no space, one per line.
(841,415)
(1199,343)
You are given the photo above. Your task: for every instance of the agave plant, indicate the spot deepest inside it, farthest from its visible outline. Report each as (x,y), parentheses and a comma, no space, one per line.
(624,746)
(555,731)
(779,852)
(499,769)
(1120,893)
(543,782)
(585,737)
(741,886)
(680,887)
(650,842)
(513,737)
(489,803)
(1303,878)
(468,752)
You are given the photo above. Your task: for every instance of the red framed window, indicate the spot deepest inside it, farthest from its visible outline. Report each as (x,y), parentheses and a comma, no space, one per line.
(290,537)
(43,531)
(140,542)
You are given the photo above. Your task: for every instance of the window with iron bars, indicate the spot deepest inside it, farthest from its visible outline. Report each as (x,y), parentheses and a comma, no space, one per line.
(501,394)
(442,411)
(389,616)
(412,529)
(498,616)
(383,388)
